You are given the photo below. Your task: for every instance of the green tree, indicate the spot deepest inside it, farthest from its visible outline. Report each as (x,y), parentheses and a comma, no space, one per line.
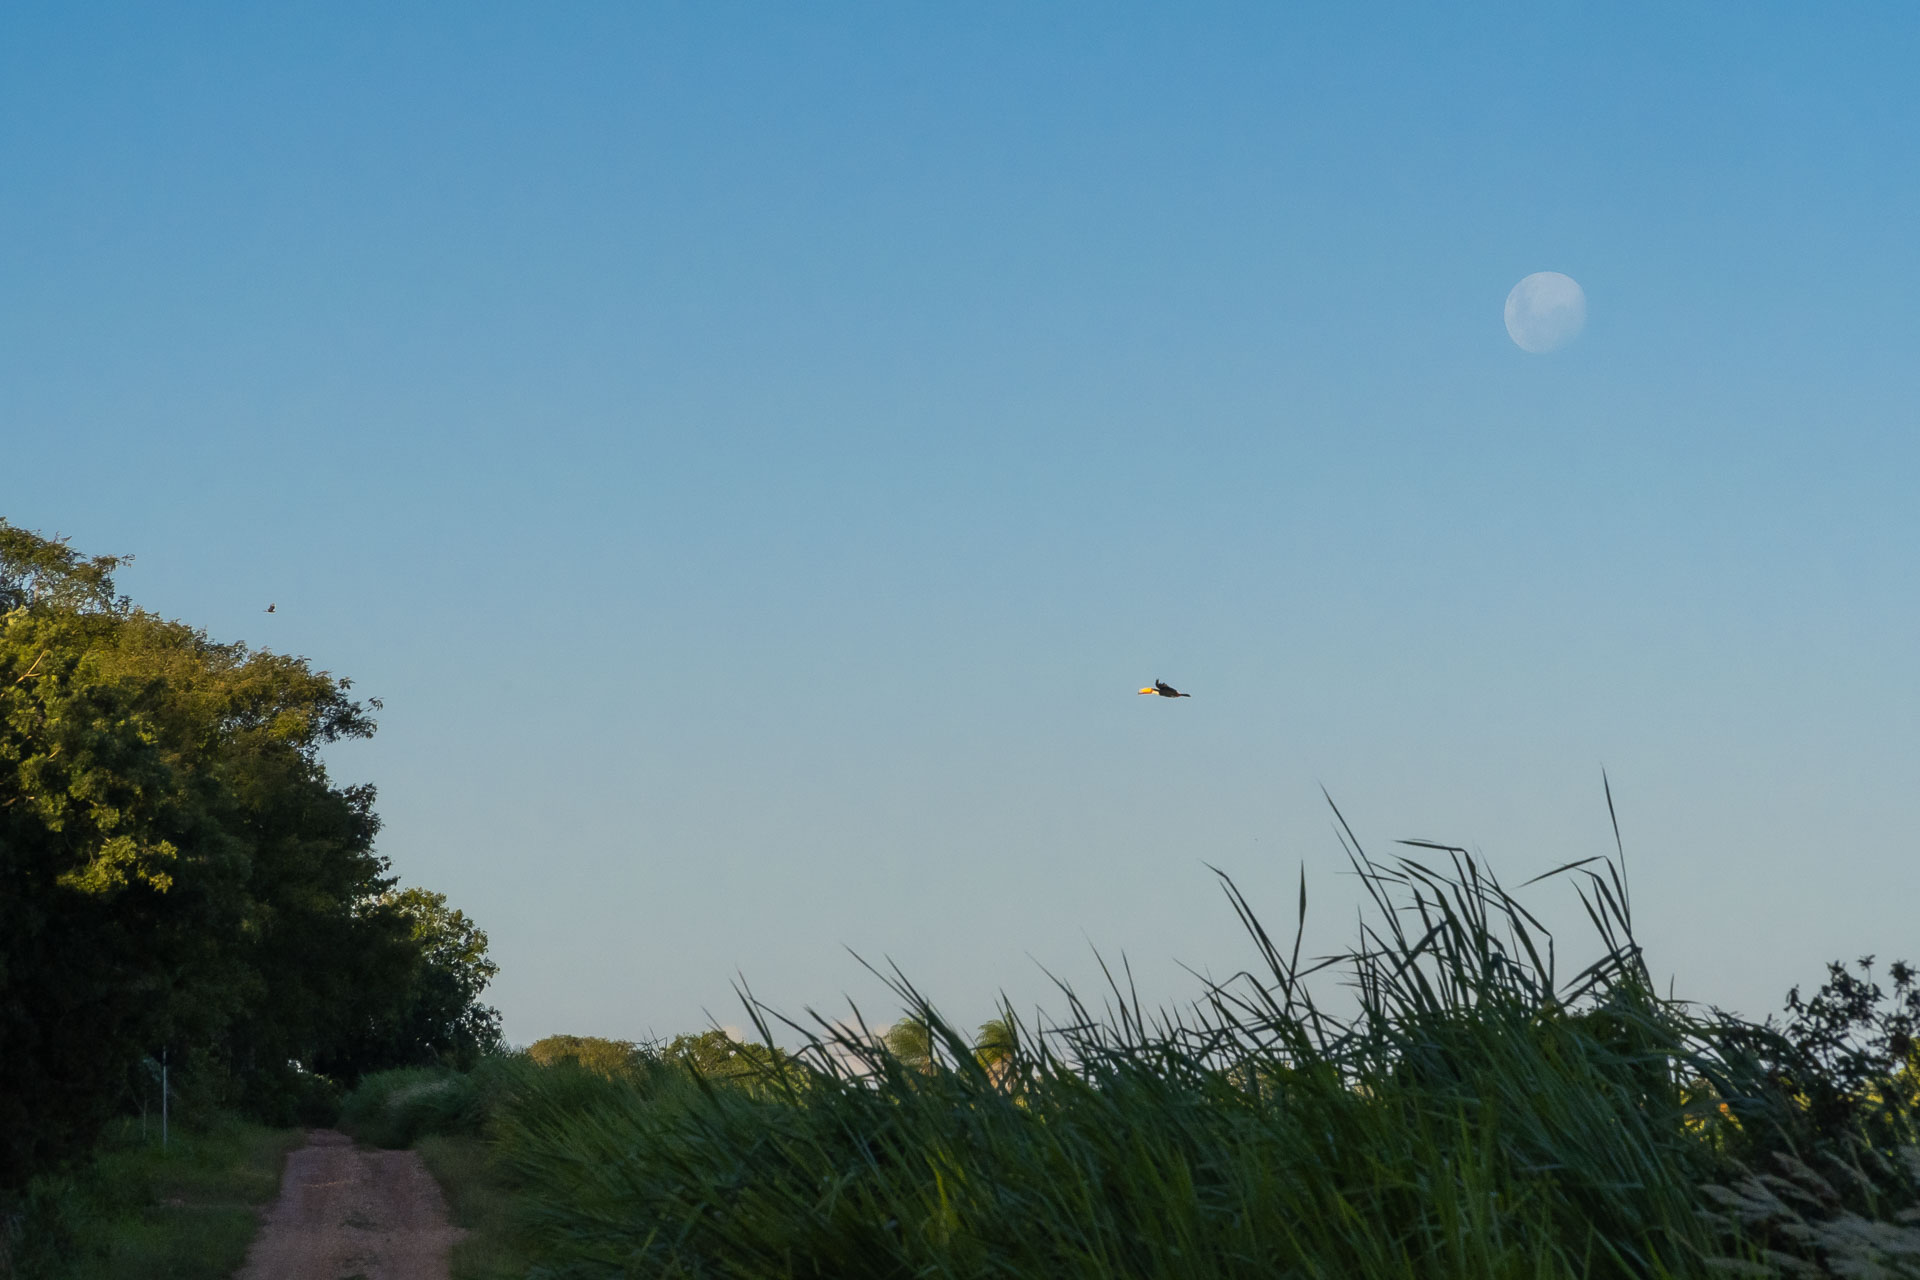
(179,871)
(434,1013)
(303,957)
(997,1048)
(998,1040)
(911,1041)
(46,571)
(443,1009)
(607,1057)
(716,1055)
(96,919)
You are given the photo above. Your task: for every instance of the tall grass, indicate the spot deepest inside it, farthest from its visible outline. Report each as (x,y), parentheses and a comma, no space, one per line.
(482,1203)
(1475,1115)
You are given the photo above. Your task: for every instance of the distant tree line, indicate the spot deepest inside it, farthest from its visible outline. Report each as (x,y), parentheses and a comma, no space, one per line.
(914,1041)
(712,1054)
(180,876)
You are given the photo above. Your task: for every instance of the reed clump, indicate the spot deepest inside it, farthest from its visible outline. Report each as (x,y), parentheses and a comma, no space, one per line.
(1471,1113)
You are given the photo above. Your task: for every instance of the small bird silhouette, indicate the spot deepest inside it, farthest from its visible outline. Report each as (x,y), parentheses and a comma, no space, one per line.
(269,608)
(1165,690)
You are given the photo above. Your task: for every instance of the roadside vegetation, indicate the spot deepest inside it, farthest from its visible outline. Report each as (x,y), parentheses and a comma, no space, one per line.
(187,895)
(1480,1115)
(182,1211)
(481,1201)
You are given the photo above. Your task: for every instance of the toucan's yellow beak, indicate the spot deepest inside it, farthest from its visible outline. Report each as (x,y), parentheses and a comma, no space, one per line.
(1149,691)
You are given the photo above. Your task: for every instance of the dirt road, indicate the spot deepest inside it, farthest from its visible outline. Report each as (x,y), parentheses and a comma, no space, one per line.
(345,1214)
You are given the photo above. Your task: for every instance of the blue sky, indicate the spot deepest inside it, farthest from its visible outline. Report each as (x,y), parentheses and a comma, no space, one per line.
(756,453)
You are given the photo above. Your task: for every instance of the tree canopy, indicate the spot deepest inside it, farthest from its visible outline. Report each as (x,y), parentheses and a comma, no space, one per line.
(911,1041)
(181,873)
(716,1055)
(595,1053)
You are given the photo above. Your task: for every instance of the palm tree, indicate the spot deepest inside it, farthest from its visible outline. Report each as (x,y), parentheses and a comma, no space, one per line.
(911,1041)
(996,1046)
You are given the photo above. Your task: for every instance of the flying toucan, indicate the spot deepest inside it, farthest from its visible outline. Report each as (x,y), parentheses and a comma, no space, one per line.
(1165,690)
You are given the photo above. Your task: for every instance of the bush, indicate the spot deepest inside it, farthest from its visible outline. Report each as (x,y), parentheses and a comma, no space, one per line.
(397,1108)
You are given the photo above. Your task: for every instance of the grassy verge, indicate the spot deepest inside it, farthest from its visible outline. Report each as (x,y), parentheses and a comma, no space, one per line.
(481,1200)
(187,1212)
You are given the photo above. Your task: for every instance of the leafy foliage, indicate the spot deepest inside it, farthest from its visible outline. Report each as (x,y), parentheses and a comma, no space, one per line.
(396,1108)
(996,1047)
(715,1055)
(910,1040)
(605,1057)
(438,1016)
(36,570)
(183,875)
(1854,1044)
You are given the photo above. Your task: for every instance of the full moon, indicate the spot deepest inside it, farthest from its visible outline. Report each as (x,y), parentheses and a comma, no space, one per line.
(1545,312)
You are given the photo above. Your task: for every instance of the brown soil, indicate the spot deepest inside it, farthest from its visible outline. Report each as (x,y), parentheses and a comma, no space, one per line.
(347,1214)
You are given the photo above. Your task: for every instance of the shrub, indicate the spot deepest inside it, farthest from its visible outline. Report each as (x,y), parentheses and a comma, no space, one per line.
(397,1108)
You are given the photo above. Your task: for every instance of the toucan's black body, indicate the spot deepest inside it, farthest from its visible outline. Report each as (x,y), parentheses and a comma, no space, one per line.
(1165,690)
